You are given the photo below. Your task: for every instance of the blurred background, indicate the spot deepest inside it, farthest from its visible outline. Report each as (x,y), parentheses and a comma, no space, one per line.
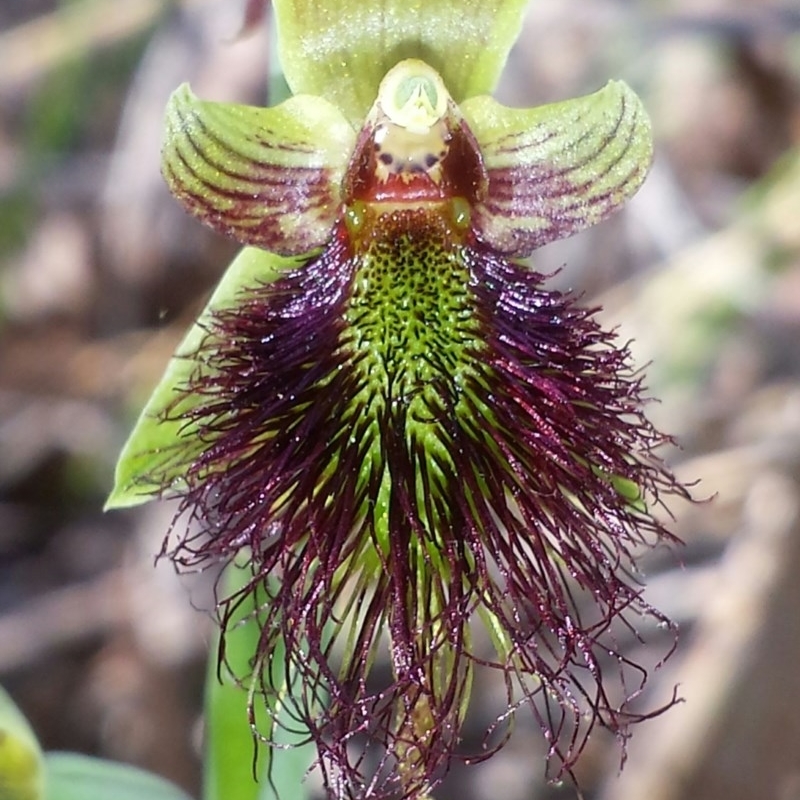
(100,273)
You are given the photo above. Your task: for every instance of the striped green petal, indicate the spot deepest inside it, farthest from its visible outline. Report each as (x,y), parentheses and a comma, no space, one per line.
(559,168)
(341,49)
(267,177)
(161,443)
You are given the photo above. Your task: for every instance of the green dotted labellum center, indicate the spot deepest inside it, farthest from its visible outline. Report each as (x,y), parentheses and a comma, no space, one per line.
(410,320)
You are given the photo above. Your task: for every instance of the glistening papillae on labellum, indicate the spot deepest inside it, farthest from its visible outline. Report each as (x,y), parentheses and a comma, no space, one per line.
(429,455)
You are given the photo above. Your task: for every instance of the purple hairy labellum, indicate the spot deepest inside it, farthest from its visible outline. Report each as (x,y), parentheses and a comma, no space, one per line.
(429,457)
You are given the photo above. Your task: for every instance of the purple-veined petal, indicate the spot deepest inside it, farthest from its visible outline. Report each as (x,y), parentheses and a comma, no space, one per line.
(267,177)
(559,168)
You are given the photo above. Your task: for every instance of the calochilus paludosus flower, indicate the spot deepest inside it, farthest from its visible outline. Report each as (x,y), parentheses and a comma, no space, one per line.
(434,458)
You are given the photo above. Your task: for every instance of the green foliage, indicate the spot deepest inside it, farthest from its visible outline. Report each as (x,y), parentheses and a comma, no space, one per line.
(25,774)
(71,776)
(160,446)
(21,768)
(238,764)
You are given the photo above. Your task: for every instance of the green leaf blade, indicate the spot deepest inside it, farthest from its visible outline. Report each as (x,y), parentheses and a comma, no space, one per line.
(21,764)
(71,776)
(154,457)
(238,764)
(231,749)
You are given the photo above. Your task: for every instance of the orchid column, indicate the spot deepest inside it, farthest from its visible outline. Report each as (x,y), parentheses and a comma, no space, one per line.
(409,435)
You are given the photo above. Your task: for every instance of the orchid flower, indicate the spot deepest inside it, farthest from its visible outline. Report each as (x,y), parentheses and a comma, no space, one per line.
(428,456)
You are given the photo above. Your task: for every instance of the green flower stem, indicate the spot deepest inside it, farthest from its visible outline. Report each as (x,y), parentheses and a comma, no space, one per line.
(416,727)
